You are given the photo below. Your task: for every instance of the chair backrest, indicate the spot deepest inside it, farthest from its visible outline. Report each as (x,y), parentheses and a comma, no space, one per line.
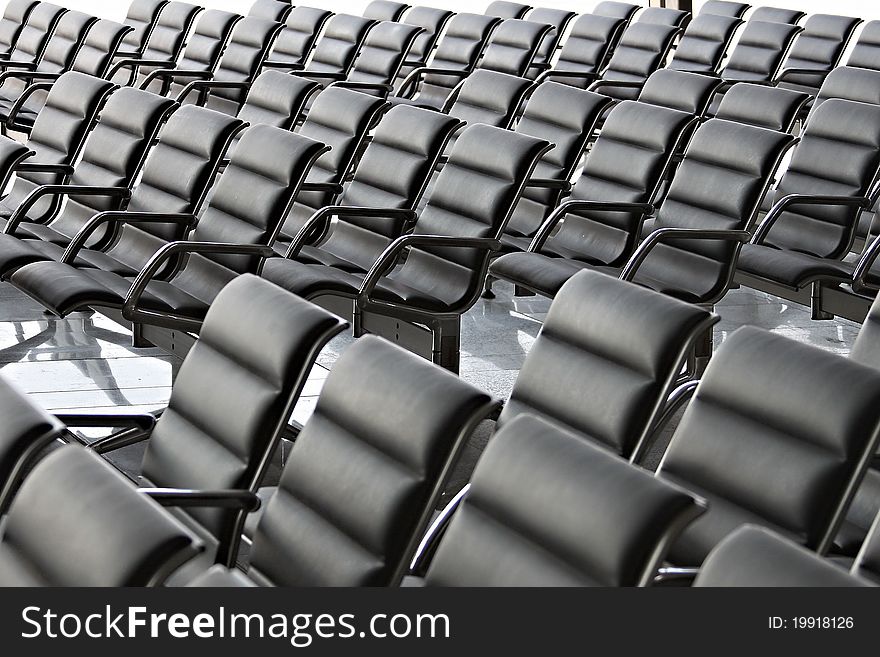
(564,116)
(236,387)
(489,97)
(58,134)
(867,564)
(851,83)
(339,118)
(766,107)
(820,46)
(866,52)
(142,16)
(719,185)
(208,40)
(623,10)
(343,39)
(513,46)
(385,10)
(176,177)
(459,48)
(393,173)
(592,40)
(586,518)
(665,16)
(626,164)
(35,35)
(12,22)
(360,485)
(247,205)
(64,41)
(99,48)
(277,99)
(777,15)
(642,50)
(839,154)
(383,53)
(559,20)
(473,197)
(760,51)
(78,522)
(750,445)
(606,359)
(114,153)
(686,92)
(271,10)
(301,31)
(171,31)
(755,556)
(432,21)
(505,10)
(705,43)
(725,8)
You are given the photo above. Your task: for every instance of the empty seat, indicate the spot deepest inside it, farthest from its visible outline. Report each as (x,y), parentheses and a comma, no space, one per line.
(586,519)
(277,99)
(271,10)
(11,24)
(777,15)
(816,51)
(680,90)
(623,10)
(298,38)
(559,20)
(34,36)
(665,16)
(505,10)
(850,83)
(866,52)
(725,8)
(141,17)
(760,51)
(704,44)
(359,486)
(385,10)
(432,21)
(489,97)
(766,107)
(586,50)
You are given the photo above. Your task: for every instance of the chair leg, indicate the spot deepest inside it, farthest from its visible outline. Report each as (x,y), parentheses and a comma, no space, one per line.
(703,352)
(447,344)
(487,287)
(816,311)
(522,292)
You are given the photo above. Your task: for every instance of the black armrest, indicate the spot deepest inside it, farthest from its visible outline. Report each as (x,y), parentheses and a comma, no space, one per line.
(788,72)
(369,86)
(11,121)
(323,75)
(204,86)
(171,74)
(135,63)
(37,167)
(556,216)
(291,66)
(411,80)
(553,73)
(61,190)
(136,427)
(620,84)
(27,75)
(790,200)
(668,234)
(222,499)
(549,183)
(25,66)
(330,188)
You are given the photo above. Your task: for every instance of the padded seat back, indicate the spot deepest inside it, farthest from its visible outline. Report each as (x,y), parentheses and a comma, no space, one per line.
(725,8)
(142,16)
(113,154)
(473,197)
(360,485)
(623,10)
(760,51)
(432,21)
(270,10)
(459,48)
(777,15)
(171,31)
(301,30)
(586,518)
(839,154)
(566,117)
(505,10)
(679,90)
(208,41)
(719,185)
(513,46)
(12,22)
(99,48)
(704,44)
(269,165)
(489,97)
(592,39)
(385,10)
(339,118)
(341,43)
(64,41)
(850,83)
(665,16)
(559,20)
(867,563)
(626,164)
(35,35)
(384,51)
(78,522)
(58,134)
(642,50)
(866,52)
(605,361)
(277,99)
(750,444)
(237,386)
(773,108)
(393,173)
(820,46)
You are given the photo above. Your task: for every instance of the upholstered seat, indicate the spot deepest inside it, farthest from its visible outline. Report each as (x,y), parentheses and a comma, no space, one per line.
(296,41)
(704,44)
(817,50)
(15,15)
(586,50)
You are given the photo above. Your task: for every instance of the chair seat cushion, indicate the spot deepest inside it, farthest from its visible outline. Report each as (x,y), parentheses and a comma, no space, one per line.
(315,255)
(15,252)
(790,268)
(536,271)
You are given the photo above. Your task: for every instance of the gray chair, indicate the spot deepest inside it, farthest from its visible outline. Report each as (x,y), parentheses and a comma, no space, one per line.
(866,52)
(33,39)
(270,10)
(359,487)
(505,10)
(704,44)
(613,9)
(432,21)
(773,108)
(12,22)
(725,8)
(777,15)
(385,10)
(586,50)
(142,17)
(296,41)
(559,20)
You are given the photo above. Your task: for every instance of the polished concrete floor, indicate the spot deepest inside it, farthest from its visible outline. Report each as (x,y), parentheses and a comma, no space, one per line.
(86,363)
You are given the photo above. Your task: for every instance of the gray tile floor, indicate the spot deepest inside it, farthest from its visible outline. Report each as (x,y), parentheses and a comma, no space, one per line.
(86,362)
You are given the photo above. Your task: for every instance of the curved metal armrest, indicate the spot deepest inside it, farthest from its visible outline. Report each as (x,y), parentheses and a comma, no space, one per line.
(330,188)
(25,66)
(571,73)
(135,63)
(326,213)
(136,427)
(27,75)
(667,234)
(788,72)
(37,167)
(120,217)
(171,74)
(391,253)
(22,99)
(549,183)
(620,84)
(370,86)
(130,310)
(61,190)
(205,86)
(789,200)
(411,80)
(556,216)
(323,75)
(274,63)
(219,499)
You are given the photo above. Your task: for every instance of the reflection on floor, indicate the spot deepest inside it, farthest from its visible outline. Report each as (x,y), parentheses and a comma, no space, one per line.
(86,362)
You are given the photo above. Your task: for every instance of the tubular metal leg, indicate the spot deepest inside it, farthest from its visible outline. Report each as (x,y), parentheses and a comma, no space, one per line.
(522,292)
(447,345)
(816,311)
(703,352)
(487,287)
